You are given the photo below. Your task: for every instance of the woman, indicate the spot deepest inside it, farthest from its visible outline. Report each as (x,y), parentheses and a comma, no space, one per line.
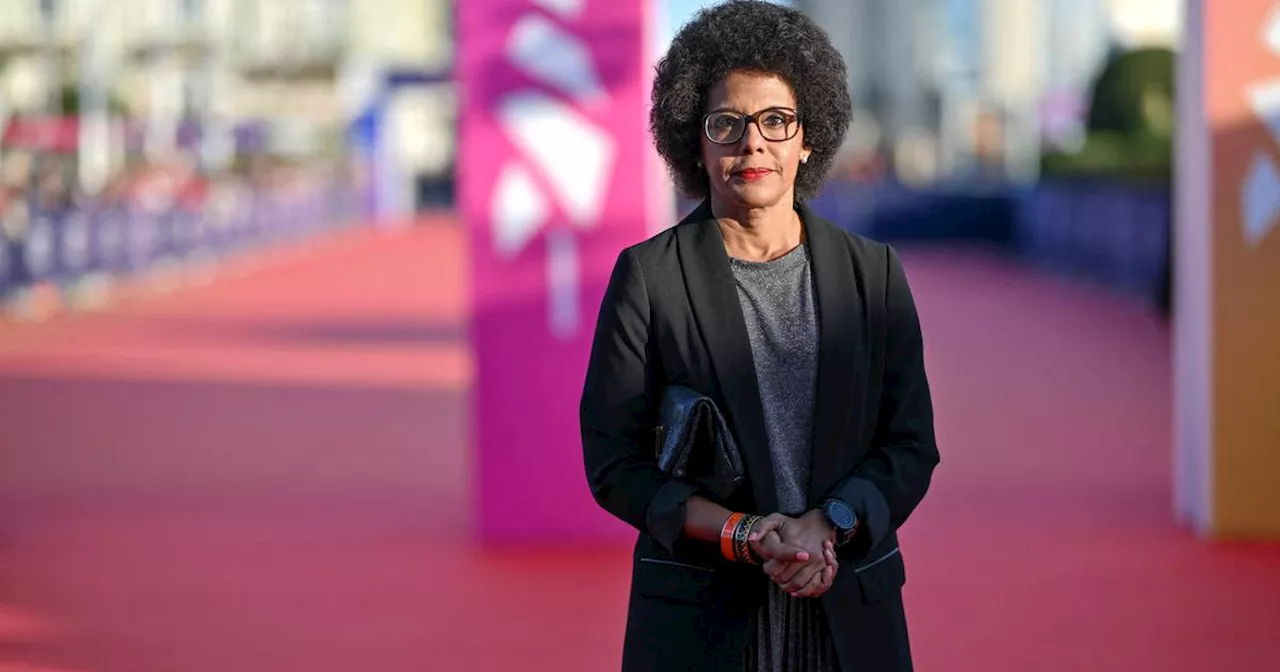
(806,338)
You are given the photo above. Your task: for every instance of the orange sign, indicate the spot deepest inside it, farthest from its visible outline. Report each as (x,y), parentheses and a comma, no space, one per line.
(1242,98)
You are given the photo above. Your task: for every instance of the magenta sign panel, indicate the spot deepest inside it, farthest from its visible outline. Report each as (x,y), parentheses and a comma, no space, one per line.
(556,176)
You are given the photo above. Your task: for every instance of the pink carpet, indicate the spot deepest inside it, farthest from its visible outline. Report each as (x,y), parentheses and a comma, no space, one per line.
(270,473)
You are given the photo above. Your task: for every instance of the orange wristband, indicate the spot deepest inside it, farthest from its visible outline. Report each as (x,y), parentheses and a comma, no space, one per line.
(726,536)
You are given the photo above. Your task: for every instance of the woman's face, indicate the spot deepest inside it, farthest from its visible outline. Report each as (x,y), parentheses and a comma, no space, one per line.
(757,170)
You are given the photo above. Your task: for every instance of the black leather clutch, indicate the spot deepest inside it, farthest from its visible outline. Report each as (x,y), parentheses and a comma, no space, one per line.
(694,443)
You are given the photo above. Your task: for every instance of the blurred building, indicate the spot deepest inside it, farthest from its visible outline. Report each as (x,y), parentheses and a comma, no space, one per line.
(889,49)
(307,74)
(973,89)
(398,82)
(32,45)
(1146,22)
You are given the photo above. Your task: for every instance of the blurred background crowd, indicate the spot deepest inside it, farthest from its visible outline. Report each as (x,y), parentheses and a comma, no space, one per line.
(140,134)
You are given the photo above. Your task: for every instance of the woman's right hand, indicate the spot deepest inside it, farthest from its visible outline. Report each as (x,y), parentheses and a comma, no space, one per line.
(771,548)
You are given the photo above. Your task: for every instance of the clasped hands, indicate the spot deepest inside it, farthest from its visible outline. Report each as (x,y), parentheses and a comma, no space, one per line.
(798,554)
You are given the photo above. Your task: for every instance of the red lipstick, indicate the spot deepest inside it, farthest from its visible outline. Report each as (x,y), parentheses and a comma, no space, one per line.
(750,174)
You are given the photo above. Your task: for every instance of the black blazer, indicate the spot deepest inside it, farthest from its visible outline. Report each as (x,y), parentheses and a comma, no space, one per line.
(671,315)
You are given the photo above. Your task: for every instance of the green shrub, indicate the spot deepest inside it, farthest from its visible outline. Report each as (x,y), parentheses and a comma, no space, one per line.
(1130,127)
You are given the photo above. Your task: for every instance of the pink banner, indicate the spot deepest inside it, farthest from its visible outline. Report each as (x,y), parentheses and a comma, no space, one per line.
(555,178)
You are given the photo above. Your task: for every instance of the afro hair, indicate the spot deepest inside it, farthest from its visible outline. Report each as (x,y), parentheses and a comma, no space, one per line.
(749,36)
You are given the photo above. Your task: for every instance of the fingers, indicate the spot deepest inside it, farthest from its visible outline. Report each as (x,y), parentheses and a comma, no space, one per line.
(829,572)
(816,586)
(771,523)
(804,573)
(767,539)
(783,572)
(771,547)
(801,578)
(821,580)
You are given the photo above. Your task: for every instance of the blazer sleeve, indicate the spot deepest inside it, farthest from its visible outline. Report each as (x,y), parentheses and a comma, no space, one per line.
(616,414)
(890,482)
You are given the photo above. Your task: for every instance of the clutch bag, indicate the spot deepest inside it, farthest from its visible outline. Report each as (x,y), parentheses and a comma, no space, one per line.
(694,443)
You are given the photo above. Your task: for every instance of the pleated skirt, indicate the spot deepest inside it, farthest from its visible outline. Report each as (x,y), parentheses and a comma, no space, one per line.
(791,636)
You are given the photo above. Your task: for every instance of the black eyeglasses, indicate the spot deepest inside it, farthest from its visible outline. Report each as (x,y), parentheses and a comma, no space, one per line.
(776,124)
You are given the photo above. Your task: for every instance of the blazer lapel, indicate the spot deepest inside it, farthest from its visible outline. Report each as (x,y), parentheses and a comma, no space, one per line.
(713,294)
(841,305)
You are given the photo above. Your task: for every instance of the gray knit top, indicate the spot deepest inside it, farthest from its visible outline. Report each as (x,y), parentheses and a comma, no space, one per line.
(780,308)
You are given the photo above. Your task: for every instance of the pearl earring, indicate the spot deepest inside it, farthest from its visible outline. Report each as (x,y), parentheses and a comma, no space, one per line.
(804,159)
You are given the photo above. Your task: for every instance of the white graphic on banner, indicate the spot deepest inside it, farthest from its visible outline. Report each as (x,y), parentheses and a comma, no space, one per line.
(1260,196)
(548,54)
(571,153)
(1264,100)
(559,147)
(562,278)
(1260,191)
(566,9)
(1271,32)
(517,211)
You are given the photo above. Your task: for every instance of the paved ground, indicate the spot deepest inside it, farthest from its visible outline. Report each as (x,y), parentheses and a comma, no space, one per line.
(270,473)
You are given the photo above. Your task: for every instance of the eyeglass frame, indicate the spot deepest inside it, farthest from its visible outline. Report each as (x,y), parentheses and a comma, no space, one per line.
(749,119)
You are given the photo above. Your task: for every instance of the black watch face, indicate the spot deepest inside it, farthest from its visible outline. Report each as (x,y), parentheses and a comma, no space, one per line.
(841,515)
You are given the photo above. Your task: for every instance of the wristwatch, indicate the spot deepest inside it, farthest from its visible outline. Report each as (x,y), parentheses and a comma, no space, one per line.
(841,517)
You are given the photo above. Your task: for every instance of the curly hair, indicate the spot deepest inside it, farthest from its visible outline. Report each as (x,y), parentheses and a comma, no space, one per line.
(748,36)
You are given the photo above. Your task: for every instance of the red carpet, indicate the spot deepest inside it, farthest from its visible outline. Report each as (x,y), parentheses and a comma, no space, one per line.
(270,474)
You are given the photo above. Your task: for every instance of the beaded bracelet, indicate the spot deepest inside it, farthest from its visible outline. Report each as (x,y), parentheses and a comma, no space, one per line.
(727,533)
(734,544)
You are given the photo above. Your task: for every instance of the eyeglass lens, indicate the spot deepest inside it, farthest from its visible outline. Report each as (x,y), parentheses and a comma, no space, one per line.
(775,124)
